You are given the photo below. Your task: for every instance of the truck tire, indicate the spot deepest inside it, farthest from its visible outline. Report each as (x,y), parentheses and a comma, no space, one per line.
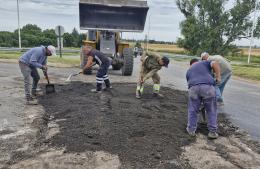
(128,58)
(116,67)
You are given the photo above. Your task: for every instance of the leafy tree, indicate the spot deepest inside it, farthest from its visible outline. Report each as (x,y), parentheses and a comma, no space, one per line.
(68,40)
(7,39)
(82,37)
(210,26)
(32,35)
(31,29)
(138,44)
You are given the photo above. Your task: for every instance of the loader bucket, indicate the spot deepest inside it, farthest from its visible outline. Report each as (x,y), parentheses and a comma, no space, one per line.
(115,15)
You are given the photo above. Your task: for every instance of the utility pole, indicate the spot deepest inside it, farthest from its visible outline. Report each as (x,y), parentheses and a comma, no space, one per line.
(19,32)
(148,36)
(252,34)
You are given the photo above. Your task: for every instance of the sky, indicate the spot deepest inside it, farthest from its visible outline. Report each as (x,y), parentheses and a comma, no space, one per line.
(163,18)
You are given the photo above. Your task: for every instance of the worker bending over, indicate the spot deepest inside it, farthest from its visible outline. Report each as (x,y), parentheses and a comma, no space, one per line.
(28,63)
(95,56)
(202,91)
(151,64)
(225,72)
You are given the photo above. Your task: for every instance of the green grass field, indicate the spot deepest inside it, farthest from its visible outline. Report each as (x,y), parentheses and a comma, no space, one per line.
(68,58)
(245,71)
(243,59)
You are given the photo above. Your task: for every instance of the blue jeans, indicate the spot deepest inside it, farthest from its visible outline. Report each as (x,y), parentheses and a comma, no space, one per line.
(199,94)
(220,88)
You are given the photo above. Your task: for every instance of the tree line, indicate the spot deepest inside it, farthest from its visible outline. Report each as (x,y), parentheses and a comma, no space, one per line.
(32,35)
(214,26)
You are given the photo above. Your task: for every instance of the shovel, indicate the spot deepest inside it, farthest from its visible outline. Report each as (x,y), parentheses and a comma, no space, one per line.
(71,75)
(49,87)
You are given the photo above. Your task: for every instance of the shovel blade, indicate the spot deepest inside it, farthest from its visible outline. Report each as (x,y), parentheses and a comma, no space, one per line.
(50,88)
(70,76)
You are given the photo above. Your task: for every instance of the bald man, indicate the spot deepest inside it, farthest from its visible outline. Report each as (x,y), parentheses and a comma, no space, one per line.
(95,56)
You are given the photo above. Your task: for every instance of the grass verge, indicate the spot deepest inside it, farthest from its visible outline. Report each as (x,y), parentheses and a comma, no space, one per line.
(69,59)
(247,71)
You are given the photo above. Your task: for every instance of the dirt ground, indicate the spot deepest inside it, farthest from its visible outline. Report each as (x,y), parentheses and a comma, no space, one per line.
(74,128)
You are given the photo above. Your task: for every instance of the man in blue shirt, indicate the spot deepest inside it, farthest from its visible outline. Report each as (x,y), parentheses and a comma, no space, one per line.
(28,63)
(202,91)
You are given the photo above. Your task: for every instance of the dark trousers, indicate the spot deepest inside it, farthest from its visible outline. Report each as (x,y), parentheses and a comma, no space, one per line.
(102,76)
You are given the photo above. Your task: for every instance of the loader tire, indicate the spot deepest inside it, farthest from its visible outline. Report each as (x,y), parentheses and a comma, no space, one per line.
(128,58)
(116,67)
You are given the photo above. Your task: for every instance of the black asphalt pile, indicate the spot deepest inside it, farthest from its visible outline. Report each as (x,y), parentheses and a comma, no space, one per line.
(144,133)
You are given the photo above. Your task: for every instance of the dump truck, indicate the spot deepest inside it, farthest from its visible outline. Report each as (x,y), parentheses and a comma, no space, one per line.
(105,21)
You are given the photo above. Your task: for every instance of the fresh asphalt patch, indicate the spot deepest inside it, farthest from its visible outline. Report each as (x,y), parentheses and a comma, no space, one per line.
(144,133)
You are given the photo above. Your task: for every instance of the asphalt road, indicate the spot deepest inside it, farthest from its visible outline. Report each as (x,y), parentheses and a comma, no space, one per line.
(241,97)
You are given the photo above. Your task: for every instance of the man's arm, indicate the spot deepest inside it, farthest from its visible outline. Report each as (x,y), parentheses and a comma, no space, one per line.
(89,63)
(33,60)
(150,74)
(216,68)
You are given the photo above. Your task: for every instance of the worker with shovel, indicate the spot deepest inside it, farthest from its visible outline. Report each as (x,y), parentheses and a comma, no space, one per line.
(151,64)
(95,56)
(28,63)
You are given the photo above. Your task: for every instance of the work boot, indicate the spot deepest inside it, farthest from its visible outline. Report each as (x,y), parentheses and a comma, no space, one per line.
(34,94)
(95,91)
(31,101)
(108,88)
(220,103)
(138,94)
(191,133)
(213,135)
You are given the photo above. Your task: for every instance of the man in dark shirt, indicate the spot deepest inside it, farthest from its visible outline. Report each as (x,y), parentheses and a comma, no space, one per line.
(95,56)
(202,91)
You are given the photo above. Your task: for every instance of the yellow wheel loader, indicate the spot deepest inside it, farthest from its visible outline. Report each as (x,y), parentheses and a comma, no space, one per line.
(105,21)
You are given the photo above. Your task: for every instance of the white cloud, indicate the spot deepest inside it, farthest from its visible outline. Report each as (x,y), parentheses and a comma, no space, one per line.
(163,17)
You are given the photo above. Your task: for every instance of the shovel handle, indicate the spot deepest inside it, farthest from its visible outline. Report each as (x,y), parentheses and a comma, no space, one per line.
(46,76)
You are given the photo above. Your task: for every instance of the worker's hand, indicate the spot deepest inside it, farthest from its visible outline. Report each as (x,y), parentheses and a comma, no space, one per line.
(142,81)
(218,80)
(81,72)
(44,68)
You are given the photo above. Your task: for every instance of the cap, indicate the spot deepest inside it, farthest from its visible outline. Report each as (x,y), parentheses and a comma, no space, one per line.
(52,50)
(166,61)
(204,54)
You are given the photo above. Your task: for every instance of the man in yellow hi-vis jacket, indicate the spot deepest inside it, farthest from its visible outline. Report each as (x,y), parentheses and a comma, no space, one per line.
(151,64)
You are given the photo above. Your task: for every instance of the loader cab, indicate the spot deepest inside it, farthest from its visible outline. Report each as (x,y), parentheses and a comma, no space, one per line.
(105,21)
